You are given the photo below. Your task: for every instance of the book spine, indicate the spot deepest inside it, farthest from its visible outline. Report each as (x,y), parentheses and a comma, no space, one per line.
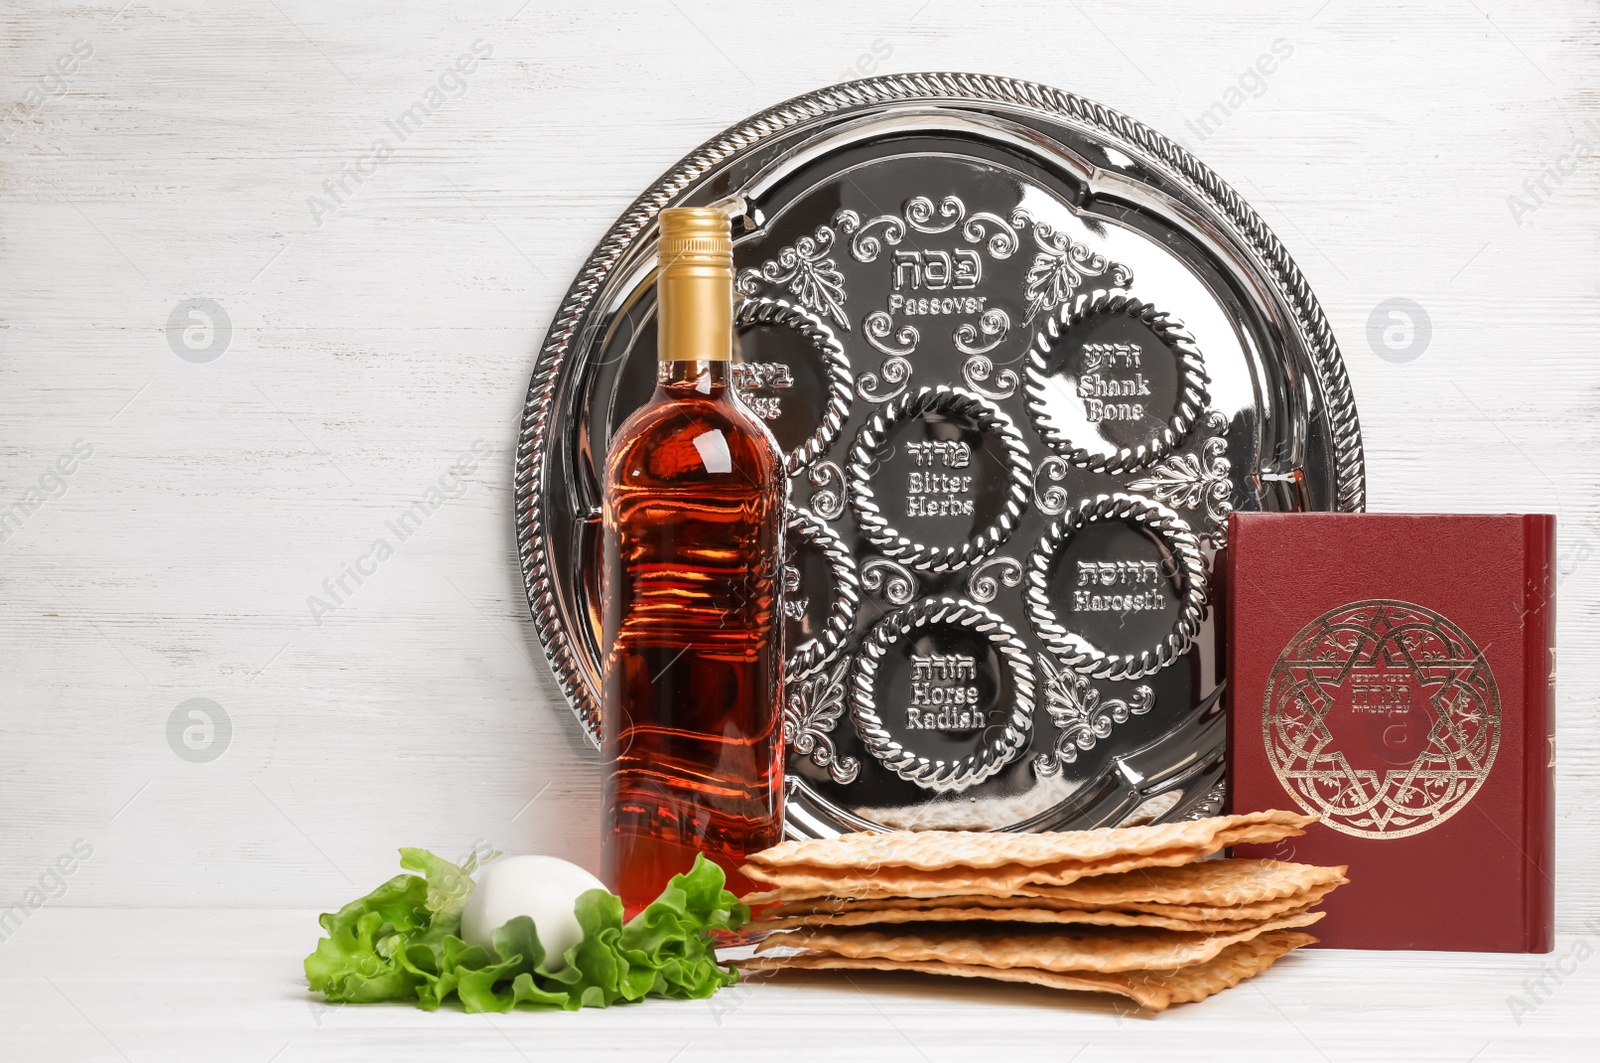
(1225,659)
(1539,729)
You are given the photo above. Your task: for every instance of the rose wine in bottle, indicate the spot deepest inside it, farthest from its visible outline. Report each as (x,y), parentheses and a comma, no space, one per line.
(694,500)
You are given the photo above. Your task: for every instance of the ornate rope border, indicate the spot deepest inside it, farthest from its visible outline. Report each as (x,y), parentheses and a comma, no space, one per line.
(753,311)
(943,775)
(815,653)
(955,88)
(1079,653)
(1193,396)
(956,402)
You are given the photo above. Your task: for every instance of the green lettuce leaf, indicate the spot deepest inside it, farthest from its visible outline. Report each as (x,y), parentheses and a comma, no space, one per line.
(448,885)
(401,942)
(356,961)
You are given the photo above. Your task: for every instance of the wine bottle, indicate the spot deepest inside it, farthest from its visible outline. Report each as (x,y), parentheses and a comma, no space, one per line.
(695,494)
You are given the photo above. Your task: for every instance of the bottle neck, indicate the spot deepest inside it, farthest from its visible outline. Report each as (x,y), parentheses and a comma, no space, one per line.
(712,377)
(694,312)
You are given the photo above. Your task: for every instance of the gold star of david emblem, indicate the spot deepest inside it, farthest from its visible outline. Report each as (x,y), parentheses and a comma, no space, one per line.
(1382,717)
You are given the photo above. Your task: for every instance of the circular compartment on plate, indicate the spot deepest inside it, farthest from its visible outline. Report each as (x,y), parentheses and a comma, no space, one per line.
(792,372)
(943,693)
(820,593)
(939,478)
(1116,588)
(1114,383)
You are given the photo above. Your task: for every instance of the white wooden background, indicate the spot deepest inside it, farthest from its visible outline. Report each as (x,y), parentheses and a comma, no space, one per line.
(157,152)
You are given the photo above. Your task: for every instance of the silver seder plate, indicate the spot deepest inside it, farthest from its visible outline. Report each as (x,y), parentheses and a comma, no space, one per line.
(1025,356)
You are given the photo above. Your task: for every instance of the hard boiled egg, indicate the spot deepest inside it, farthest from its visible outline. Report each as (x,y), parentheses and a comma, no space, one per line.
(543,888)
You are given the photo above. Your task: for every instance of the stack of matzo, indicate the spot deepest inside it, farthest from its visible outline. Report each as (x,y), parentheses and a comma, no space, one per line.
(1135,911)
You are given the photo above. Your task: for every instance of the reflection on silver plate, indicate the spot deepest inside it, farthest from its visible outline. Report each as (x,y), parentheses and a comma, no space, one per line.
(1026,355)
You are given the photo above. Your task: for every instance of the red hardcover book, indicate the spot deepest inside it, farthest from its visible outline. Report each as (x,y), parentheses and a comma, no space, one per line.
(1395,675)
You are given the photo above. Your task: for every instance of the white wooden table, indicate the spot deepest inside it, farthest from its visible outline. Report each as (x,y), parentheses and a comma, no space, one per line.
(153,153)
(215,984)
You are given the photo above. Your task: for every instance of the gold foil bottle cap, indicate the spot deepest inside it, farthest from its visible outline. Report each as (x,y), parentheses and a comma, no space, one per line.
(695,236)
(694,287)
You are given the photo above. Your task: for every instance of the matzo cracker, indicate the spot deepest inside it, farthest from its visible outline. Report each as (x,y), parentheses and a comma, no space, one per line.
(1151,989)
(933,850)
(1103,949)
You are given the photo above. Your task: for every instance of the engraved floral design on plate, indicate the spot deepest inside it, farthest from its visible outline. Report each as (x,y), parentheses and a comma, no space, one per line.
(1196,481)
(939,478)
(942,693)
(811,709)
(1382,717)
(1081,716)
(891,580)
(1061,265)
(807,272)
(927,281)
(1117,588)
(1114,383)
